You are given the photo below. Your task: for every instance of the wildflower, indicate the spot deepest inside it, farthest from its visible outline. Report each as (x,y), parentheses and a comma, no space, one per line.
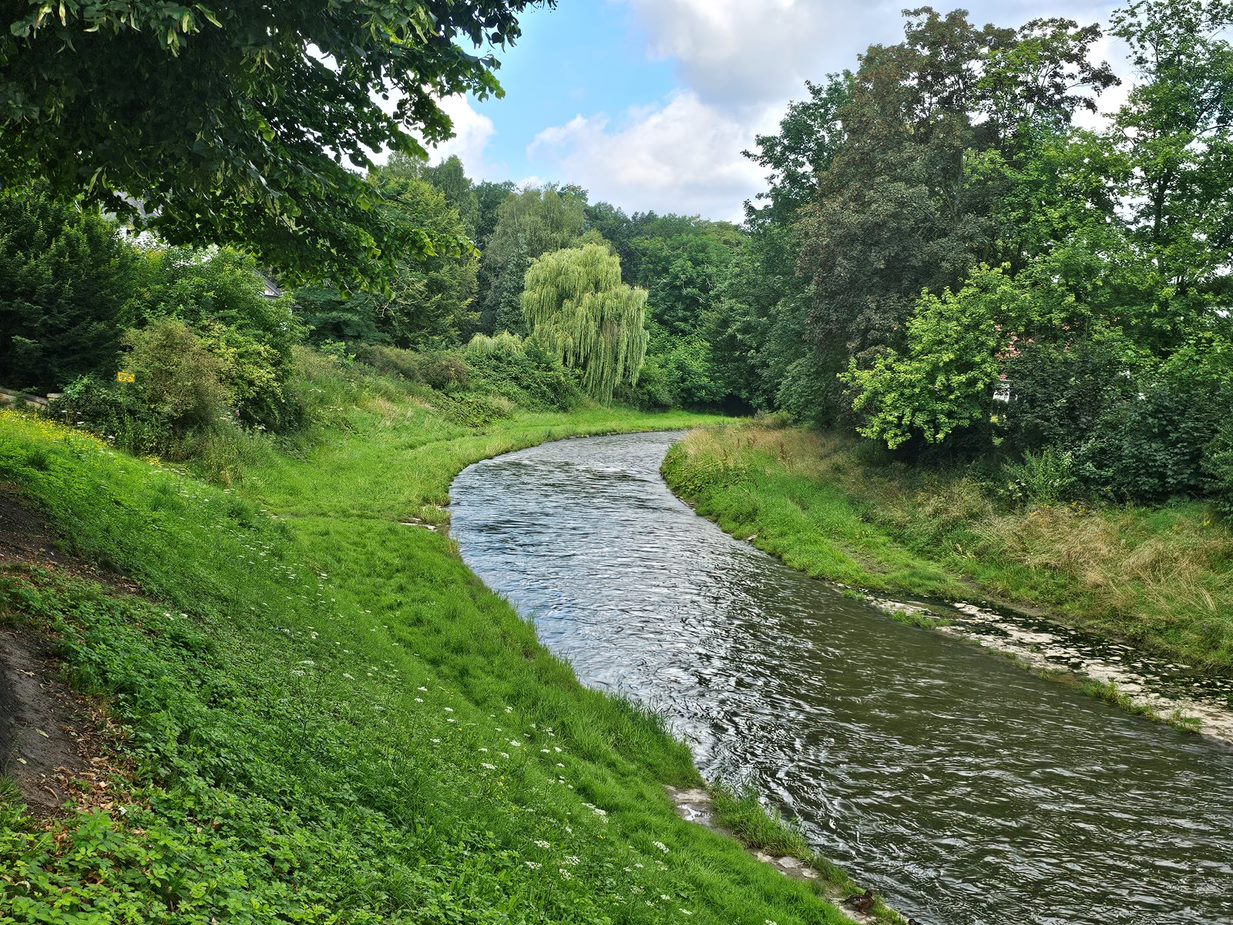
(348,676)
(436,741)
(488,767)
(540,843)
(573,861)
(515,743)
(534,865)
(661,846)
(419,699)
(685,912)
(565,874)
(449,709)
(424,689)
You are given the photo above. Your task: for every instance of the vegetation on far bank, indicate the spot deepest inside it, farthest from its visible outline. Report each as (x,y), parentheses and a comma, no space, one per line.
(325,717)
(1160,577)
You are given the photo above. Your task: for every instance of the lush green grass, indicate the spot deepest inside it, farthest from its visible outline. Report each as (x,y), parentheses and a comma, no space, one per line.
(326,717)
(1161,577)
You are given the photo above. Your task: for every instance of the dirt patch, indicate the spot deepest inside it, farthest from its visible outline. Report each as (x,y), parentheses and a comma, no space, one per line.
(26,538)
(51,740)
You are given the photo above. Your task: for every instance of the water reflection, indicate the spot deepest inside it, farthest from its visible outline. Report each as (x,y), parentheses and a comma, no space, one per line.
(963,788)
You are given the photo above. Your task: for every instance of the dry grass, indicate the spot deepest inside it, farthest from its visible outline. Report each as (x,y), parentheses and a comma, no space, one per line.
(1162,577)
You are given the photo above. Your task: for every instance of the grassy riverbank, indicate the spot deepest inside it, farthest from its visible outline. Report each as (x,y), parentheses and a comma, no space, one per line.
(1160,577)
(319,715)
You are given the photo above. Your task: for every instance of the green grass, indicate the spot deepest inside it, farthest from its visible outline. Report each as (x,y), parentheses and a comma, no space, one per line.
(325,717)
(1159,577)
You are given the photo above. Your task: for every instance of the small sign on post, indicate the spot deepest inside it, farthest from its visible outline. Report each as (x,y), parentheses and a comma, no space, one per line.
(125,376)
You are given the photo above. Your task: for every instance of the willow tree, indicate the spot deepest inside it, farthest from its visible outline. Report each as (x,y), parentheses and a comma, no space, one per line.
(579,311)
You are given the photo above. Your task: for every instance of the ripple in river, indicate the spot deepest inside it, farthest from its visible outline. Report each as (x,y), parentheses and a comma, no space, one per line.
(961,787)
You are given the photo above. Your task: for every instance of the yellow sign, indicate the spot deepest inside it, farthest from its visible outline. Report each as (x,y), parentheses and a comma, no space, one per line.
(125,376)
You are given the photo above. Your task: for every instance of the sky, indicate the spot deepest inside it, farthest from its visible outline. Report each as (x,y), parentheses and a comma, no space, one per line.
(648,104)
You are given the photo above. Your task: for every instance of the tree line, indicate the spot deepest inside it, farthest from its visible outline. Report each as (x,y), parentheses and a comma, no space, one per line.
(954,258)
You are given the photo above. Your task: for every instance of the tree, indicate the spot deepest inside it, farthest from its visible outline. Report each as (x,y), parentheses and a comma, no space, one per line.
(529,224)
(451,179)
(1177,131)
(905,204)
(237,123)
(808,138)
(581,313)
(944,382)
(426,299)
(66,275)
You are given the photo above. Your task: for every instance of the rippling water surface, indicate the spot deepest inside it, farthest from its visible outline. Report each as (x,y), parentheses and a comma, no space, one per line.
(961,787)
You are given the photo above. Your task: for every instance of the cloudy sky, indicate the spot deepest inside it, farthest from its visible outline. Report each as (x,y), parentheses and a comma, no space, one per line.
(649,103)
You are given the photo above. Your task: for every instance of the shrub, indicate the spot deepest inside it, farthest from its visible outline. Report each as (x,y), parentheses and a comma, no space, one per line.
(177,378)
(1151,445)
(222,297)
(522,372)
(1218,469)
(439,369)
(1044,477)
(114,412)
(678,372)
(65,275)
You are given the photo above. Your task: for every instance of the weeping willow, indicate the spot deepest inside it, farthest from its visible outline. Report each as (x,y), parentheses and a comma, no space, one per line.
(579,311)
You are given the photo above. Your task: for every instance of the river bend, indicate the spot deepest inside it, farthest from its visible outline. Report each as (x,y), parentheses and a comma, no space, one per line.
(964,789)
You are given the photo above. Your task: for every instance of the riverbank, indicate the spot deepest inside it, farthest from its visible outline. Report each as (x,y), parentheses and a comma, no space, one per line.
(296,703)
(1159,579)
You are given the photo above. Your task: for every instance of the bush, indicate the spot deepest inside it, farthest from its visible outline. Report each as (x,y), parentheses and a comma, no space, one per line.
(520,371)
(177,378)
(1152,445)
(440,370)
(222,297)
(678,372)
(65,276)
(114,412)
(1218,470)
(1046,477)
(808,393)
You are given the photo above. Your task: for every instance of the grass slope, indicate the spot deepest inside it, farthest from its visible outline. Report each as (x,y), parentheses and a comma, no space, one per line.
(1160,577)
(326,718)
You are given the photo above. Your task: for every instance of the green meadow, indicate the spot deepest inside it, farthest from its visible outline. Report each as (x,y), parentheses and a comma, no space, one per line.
(318,715)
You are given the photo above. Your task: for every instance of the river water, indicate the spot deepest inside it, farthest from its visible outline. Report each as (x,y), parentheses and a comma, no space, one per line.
(959,786)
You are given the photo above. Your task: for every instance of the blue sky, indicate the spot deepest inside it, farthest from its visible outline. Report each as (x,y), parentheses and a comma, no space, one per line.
(649,103)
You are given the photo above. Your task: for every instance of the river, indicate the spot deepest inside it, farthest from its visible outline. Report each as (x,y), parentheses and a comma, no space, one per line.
(959,786)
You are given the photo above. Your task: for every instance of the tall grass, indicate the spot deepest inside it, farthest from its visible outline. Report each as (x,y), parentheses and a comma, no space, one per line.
(1161,577)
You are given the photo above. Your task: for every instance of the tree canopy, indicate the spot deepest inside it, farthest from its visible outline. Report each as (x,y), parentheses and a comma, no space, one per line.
(241,123)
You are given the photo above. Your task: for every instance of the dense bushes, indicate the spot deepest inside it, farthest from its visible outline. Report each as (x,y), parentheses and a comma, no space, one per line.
(438,369)
(205,345)
(520,371)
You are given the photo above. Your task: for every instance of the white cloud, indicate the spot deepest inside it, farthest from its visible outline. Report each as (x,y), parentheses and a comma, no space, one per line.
(472,133)
(740,62)
(683,156)
(734,53)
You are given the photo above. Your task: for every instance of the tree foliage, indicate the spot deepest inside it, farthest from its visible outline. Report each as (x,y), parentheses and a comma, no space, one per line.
(529,224)
(580,312)
(238,123)
(65,278)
